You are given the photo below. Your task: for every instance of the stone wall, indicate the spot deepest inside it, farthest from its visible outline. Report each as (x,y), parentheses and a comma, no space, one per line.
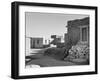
(74,46)
(73,35)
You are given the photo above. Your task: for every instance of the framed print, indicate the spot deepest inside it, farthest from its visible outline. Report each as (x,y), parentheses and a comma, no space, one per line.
(50,40)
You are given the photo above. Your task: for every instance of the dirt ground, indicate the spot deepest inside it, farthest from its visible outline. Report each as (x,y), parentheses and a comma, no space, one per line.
(46,61)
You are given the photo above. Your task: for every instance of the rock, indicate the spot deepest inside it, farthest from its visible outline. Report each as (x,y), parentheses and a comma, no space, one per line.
(78,51)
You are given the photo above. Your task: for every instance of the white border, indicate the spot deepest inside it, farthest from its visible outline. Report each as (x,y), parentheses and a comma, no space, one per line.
(53,70)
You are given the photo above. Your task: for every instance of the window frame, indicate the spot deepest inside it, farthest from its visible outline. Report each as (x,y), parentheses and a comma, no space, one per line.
(81,27)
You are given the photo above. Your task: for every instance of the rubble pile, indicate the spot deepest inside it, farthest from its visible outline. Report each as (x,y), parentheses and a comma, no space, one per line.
(78,52)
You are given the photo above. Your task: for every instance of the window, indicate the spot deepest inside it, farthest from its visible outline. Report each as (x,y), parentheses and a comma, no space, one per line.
(45,41)
(32,43)
(84,34)
(37,41)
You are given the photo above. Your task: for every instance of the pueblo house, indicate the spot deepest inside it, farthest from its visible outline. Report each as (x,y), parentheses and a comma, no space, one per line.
(78,32)
(36,43)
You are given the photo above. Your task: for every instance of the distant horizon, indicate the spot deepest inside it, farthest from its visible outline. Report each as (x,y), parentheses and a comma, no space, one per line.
(46,24)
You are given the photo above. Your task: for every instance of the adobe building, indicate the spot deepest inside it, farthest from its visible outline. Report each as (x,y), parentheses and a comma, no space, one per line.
(78,32)
(58,41)
(32,43)
(36,43)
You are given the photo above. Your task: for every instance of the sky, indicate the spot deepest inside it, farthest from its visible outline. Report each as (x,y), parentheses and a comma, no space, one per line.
(47,24)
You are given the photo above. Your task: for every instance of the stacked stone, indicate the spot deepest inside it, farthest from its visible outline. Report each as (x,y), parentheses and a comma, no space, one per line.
(78,52)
